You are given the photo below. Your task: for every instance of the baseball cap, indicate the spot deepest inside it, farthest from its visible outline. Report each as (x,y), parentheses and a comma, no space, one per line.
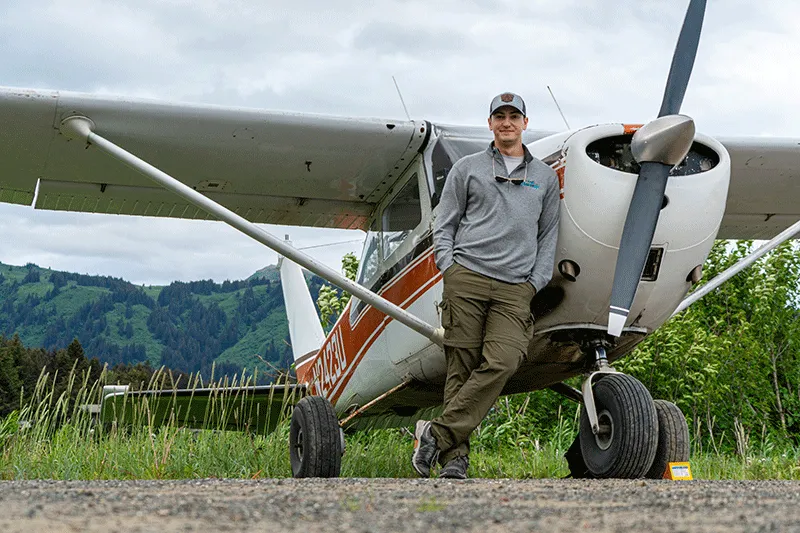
(510,99)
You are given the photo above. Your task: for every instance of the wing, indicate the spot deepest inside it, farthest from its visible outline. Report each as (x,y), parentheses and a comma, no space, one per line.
(271,167)
(282,168)
(764,194)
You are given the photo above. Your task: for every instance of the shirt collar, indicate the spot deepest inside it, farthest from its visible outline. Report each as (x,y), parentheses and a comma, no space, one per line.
(495,153)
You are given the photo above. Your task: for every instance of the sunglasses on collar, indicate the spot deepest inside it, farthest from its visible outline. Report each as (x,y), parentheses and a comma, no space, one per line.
(515,181)
(503,179)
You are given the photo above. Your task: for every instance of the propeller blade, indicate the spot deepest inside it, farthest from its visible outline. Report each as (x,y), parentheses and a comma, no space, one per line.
(683,58)
(637,235)
(667,138)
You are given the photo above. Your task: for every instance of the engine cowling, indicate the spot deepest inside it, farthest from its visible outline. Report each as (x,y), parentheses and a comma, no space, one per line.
(598,173)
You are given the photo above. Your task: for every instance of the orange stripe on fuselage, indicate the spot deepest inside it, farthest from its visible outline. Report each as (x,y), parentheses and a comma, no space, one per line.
(329,372)
(342,383)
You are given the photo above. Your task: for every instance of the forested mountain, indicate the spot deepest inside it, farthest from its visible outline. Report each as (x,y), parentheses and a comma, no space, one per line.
(184,326)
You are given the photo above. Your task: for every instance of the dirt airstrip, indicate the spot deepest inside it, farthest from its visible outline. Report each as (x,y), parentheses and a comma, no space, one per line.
(367,505)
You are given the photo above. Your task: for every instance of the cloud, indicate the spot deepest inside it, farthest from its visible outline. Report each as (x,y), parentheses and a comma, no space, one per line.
(151,251)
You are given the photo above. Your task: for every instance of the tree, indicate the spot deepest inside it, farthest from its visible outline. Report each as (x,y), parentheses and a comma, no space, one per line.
(32,276)
(10,384)
(732,360)
(329,300)
(75,350)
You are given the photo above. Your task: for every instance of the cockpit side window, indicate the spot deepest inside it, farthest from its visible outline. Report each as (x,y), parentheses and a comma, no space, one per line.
(370,263)
(393,226)
(402,215)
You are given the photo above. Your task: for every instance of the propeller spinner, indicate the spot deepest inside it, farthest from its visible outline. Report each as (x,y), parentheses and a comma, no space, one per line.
(658,146)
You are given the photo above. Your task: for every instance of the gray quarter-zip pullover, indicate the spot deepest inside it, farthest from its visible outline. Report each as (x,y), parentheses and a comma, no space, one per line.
(499,229)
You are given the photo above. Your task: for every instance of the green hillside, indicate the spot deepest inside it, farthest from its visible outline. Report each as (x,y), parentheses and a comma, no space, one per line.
(185,326)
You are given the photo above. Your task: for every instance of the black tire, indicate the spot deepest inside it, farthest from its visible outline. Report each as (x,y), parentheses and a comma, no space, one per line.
(673,438)
(625,408)
(315,440)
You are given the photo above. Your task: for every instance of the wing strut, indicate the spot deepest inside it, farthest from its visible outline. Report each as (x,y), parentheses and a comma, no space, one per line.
(77,127)
(727,274)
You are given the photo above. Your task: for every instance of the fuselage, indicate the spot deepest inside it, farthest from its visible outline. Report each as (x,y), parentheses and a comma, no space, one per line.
(367,354)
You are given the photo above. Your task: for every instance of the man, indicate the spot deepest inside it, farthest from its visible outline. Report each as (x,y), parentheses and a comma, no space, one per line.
(494,240)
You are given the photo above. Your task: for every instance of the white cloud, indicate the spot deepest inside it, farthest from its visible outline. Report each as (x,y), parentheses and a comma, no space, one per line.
(605,62)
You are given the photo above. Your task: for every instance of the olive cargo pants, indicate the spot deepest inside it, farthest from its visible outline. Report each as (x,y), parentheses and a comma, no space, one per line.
(488,326)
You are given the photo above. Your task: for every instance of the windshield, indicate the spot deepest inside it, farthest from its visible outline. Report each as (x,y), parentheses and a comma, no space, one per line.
(370,258)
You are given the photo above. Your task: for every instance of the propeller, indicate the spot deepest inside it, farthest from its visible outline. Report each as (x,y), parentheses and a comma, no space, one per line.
(658,147)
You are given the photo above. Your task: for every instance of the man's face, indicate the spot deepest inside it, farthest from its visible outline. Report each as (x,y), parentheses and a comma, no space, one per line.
(507,124)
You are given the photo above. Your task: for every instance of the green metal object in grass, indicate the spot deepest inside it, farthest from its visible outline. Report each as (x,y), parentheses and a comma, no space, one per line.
(254,409)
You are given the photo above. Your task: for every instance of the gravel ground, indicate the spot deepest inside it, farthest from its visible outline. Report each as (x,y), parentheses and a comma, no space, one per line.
(367,505)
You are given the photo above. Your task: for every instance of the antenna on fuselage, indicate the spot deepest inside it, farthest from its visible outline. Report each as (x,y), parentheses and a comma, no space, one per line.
(401,98)
(330,244)
(559,107)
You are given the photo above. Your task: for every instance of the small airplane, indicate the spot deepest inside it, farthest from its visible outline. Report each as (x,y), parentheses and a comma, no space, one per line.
(641,206)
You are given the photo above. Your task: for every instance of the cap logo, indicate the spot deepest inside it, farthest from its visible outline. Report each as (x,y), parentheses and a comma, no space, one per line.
(507,97)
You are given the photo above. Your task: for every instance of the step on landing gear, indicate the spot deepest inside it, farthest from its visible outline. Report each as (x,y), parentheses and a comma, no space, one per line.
(619,434)
(316,442)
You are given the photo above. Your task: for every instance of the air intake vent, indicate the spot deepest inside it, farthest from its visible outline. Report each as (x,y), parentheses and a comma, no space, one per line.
(653,264)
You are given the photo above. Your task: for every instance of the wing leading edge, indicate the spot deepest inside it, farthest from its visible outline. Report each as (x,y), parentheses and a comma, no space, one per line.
(269,167)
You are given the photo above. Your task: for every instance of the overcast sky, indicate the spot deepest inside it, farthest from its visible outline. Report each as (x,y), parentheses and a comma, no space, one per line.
(606,62)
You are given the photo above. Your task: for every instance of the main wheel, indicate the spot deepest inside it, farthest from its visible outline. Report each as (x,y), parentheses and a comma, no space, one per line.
(673,438)
(626,443)
(315,439)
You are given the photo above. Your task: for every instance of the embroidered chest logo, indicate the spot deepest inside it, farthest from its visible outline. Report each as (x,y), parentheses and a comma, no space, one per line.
(530,183)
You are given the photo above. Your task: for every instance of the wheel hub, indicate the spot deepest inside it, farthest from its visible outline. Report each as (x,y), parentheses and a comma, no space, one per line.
(605,435)
(299,444)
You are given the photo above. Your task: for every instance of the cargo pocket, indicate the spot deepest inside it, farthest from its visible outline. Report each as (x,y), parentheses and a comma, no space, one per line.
(528,332)
(447,315)
(529,327)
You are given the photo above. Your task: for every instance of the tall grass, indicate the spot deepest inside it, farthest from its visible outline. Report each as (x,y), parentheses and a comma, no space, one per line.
(52,436)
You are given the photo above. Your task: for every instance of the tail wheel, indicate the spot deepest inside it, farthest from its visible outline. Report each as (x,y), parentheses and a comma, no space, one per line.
(673,438)
(315,439)
(626,443)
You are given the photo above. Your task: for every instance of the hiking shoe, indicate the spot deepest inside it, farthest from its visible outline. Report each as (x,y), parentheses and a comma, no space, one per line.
(455,468)
(425,450)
